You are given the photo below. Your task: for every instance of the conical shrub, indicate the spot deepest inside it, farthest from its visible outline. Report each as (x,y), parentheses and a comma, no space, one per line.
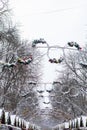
(15,123)
(81,122)
(72,125)
(86,122)
(3,117)
(9,120)
(77,124)
(18,122)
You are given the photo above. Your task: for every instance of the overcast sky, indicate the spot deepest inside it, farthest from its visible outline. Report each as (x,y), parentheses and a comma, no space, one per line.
(57,21)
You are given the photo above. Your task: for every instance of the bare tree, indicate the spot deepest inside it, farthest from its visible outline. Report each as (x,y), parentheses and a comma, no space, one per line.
(16,76)
(71,96)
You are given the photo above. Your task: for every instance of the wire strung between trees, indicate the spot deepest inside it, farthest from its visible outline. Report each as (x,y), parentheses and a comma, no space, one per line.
(26,61)
(54,60)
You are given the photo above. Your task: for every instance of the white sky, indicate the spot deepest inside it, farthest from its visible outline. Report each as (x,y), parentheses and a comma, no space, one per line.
(57,21)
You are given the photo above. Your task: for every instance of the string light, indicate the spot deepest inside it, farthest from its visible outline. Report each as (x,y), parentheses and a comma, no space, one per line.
(35,42)
(28,60)
(54,60)
(49,91)
(40,91)
(25,61)
(19,60)
(71,44)
(46,102)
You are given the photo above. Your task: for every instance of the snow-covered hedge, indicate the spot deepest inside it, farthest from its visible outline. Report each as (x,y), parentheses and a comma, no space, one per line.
(8,120)
(79,123)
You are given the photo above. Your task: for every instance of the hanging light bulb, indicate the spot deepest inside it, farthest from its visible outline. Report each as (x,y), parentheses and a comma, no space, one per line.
(71,44)
(51,60)
(40,91)
(41,40)
(54,60)
(77,46)
(9,65)
(60,59)
(49,91)
(46,102)
(32,83)
(25,61)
